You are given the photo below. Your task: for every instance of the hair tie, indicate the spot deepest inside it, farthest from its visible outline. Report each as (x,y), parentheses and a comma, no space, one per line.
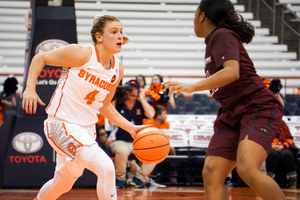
(96,18)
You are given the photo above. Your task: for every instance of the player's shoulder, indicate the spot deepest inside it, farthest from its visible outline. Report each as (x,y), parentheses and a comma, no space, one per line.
(82,53)
(225,33)
(121,69)
(79,50)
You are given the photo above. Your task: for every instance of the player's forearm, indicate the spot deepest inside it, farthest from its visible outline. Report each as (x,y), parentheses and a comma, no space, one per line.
(34,71)
(217,80)
(116,118)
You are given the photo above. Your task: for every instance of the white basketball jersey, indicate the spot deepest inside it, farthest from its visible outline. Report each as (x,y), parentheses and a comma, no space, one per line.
(81,91)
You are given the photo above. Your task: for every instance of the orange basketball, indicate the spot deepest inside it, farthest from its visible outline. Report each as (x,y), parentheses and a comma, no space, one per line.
(151,145)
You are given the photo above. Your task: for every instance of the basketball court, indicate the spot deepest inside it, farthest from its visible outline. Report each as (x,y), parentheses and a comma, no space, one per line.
(174,193)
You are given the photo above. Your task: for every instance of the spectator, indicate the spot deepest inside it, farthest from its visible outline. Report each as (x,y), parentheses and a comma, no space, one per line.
(159,121)
(157,95)
(275,86)
(102,140)
(141,80)
(8,98)
(281,156)
(135,111)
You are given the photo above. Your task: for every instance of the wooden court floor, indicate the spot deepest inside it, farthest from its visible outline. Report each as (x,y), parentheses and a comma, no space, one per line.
(172,193)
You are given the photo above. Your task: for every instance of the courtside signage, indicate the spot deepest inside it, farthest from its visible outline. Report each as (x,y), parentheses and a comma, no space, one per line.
(27,142)
(48,45)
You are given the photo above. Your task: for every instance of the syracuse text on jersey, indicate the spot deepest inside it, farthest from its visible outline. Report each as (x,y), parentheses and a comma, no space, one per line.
(94,80)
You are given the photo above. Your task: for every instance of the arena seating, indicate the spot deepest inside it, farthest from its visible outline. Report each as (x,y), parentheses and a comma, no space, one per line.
(161,38)
(190,134)
(292,5)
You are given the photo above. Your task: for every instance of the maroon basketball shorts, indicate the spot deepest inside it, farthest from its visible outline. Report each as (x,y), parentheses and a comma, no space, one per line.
(259,117)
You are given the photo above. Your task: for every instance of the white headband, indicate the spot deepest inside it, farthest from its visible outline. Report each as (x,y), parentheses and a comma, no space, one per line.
(97,17)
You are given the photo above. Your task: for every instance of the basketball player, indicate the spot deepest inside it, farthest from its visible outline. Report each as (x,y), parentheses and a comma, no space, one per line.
(90,75)
(250,114)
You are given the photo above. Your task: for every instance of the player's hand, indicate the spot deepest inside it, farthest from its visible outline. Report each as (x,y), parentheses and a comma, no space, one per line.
(29,102)
(178,87)
(137,129)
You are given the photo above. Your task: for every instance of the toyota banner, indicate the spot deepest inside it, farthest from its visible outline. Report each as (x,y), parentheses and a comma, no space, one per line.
(52,27)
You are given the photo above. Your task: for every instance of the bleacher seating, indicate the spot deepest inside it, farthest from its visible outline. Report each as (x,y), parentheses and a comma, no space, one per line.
(161,38)
(293,5)
(190,135)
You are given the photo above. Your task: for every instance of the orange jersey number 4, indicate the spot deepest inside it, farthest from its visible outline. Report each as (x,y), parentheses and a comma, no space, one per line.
(90,97)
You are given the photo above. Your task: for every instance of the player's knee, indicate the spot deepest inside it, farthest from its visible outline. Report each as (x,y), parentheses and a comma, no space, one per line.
(207,171)
(63,182)
(109,169)
(102,166)
(245,172)
(65,187)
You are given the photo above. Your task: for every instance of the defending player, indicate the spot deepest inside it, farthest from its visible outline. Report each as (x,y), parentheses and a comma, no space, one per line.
(250,114)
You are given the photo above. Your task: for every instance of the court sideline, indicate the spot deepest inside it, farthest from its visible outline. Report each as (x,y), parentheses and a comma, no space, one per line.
(174,193)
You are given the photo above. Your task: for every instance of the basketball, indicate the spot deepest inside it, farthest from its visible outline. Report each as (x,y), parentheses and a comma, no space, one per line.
(151,145)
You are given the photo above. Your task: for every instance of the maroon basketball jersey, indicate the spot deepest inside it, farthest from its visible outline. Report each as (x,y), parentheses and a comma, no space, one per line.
(222,45)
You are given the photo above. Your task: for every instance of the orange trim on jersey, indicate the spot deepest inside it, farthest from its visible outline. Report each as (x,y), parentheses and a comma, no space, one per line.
(48,135)
(52,98)
(62,94)
(97,54)
(80,145)
(113,65)
(98,58)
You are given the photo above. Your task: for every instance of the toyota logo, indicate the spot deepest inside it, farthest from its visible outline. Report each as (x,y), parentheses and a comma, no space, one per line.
(48,45)
(27,142)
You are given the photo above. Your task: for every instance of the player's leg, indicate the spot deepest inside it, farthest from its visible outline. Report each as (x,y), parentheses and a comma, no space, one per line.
(66,174)
(258,126)
(54,188)
(249,159)
(97,161)
(214,173)
(220,157)
(66,171)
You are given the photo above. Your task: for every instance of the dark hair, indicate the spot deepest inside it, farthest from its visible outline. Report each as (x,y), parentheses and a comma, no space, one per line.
(159,77)
(158,110)
(275,85)
(120,93)
(99,25)
(223,15)
(98,128)
(10,86)
(143,77)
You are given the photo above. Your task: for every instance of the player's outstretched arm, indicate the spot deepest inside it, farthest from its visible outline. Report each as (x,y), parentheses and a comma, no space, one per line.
(228,74)
(68,56)
(109,111)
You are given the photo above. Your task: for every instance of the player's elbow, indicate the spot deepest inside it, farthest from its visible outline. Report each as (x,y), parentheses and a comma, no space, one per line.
(235,76)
